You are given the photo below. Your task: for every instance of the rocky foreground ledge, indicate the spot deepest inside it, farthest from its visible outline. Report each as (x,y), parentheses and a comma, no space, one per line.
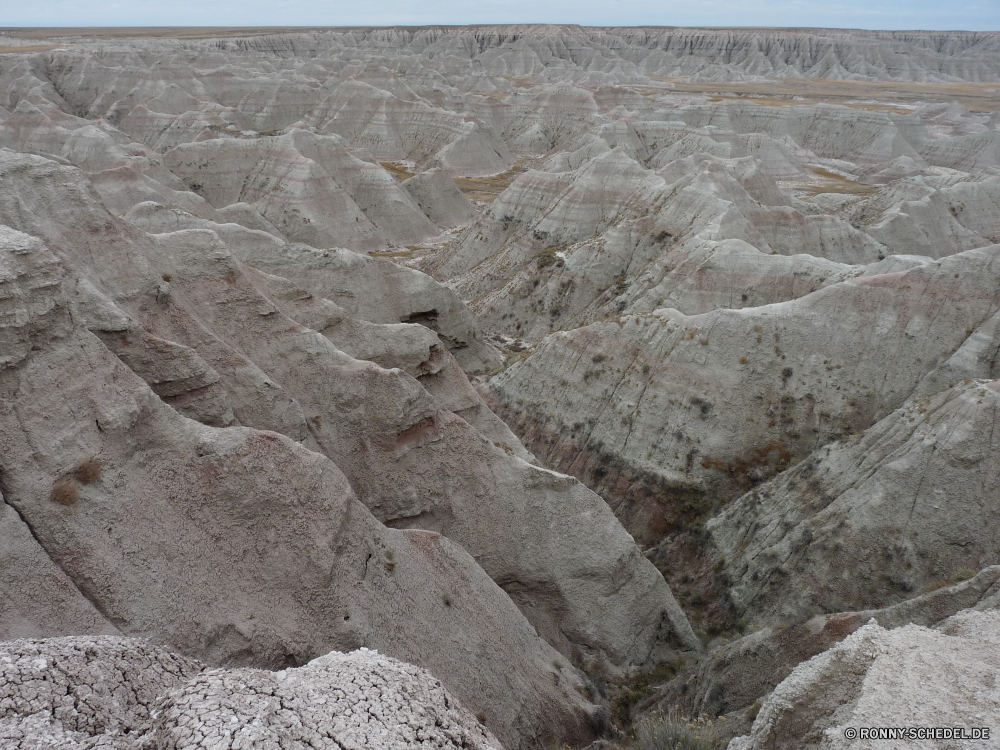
(124,693)
(912,681)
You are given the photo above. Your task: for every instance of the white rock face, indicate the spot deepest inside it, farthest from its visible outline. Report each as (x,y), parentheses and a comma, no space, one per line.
(908,677)
(361,699)
(125,694)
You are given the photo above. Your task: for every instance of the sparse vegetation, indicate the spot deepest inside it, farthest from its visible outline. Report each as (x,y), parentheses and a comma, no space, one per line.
(399,171)
(66,491)
(671,731)
(88,470)
(548,257)
(486,189)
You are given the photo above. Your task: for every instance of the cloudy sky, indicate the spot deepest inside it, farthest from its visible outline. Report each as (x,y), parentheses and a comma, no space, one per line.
(974,15)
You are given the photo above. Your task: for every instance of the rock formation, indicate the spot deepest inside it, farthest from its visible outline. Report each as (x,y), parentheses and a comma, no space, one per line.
(400,339)
(123,693)
(872,679)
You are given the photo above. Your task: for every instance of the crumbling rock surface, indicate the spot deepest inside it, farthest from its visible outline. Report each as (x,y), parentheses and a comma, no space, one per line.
(708,402)
(908,677)
(735,675)
(197,324)
(126,694)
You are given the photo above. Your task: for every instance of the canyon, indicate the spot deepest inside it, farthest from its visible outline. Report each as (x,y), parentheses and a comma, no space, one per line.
(496,387)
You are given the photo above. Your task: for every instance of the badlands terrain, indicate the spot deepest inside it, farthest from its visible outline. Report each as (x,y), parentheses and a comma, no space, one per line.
(497,387)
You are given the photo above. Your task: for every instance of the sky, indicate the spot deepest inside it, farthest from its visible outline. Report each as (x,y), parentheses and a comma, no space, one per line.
(971,15)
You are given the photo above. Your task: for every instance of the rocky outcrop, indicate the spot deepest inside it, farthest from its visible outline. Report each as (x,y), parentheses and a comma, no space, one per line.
(312,188)
(438,197)
(933,220)
(202,328)
(732,280)
(736,675)
(126,694)
(198,578)
(871,679)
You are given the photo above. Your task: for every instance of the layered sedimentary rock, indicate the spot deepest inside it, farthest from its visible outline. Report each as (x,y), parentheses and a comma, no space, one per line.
(703,403)
(903,512)
(199,578)
(739,674)
(245,280)
(312,188)
(180,336)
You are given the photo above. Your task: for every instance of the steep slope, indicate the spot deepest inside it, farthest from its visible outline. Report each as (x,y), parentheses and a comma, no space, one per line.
(869,680)
(198,578)
(410,459)
(742,283)
(705,404)
(312,188)
(866,522)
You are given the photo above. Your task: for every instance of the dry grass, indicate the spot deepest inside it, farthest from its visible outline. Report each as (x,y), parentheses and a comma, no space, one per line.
(29,47)
(397,170)
(66,491)
(486,189)
(671,731)
(771,101)
(520,82)
(978,97)
(831,182)
(87,471)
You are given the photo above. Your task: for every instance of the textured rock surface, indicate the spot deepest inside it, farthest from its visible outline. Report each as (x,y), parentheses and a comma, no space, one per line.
(865,522)
(361,699)
(244,281)
(908,677)
(737,674)
(126,694)
(704,403)
(199,578)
